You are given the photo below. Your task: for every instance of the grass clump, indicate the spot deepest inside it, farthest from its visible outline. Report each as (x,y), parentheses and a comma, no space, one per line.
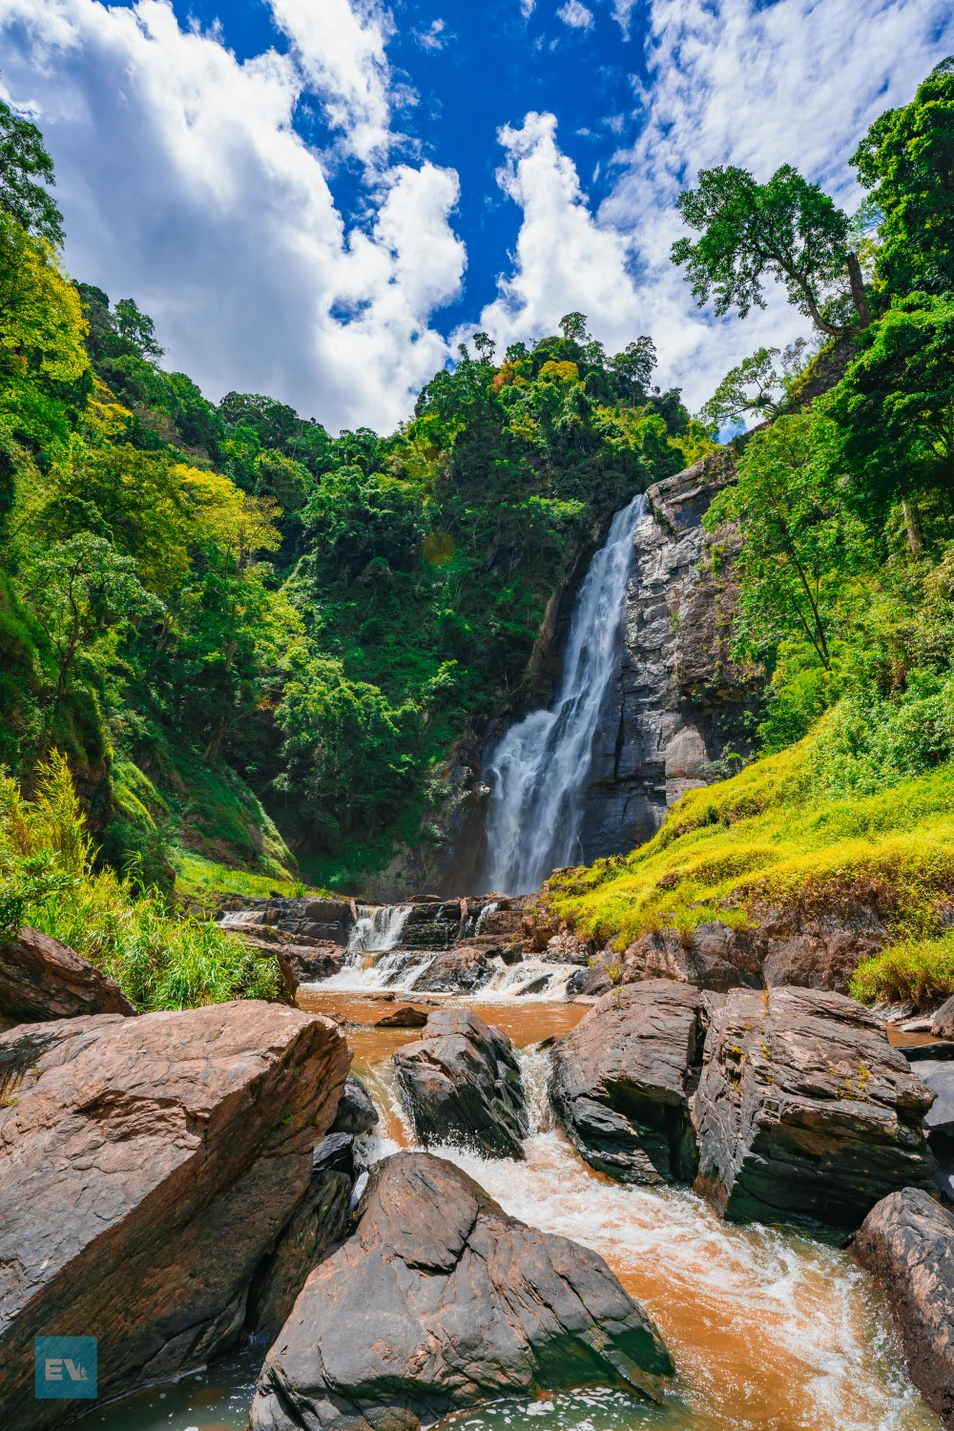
(49,880)
(918,972)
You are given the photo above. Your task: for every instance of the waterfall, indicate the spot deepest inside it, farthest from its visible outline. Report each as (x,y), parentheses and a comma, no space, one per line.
(379,926)
(537,772)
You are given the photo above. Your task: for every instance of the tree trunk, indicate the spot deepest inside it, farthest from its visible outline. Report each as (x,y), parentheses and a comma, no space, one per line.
(913,526)
(858,291)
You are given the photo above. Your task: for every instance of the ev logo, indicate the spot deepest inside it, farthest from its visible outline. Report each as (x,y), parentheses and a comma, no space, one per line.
(64,1367)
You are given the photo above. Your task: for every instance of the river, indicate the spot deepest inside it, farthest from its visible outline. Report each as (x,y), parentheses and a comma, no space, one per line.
(770,1330)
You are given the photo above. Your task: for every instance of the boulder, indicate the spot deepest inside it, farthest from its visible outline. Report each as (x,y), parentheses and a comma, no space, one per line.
(907,1241)
(622,1081)
(320,1220)
(461,1084)
(405,1016)
(309,963)
(939,1121)
(40,978)
(804,1112)
(942,1024)
(356,1111)
(441,1301)
(459,970)
(816,957)
(147,1166)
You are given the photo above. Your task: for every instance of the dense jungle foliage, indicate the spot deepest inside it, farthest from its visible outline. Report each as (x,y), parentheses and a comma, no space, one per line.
(246,636)
(221,613)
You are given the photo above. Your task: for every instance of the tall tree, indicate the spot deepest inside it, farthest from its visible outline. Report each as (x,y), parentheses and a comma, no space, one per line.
(907,160)
(23,159)
(787,229)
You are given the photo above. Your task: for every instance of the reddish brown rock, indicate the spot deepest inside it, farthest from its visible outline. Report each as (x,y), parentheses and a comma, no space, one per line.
(40,978)
(907,1241)
(405,1016)
(146,1167)
(459,970)
(804,1112)
(441,1301)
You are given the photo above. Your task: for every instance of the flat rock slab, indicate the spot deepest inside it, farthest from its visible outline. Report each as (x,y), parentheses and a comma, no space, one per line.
(804,1112)
(907,1241)
(622,1081)
(441,1301)
(461,1084)
(147,1166)
(41,978)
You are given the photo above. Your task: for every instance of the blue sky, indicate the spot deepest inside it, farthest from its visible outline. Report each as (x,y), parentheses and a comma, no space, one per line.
(319,198)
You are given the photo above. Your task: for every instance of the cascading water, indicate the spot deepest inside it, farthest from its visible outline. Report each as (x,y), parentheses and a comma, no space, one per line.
(374,959)
(537,772)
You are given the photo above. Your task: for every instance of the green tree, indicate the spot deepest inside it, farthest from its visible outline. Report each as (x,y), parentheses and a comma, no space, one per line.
(23,158)
(800,542)
(787,229)
(84,595)
(734,399)
(907,161)
(894,408)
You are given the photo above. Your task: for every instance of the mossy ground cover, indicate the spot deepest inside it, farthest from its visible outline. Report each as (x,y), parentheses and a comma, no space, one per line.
(770,840)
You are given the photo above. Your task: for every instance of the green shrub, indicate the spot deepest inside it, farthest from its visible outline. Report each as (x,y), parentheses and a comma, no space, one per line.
(919,972)
(48,880)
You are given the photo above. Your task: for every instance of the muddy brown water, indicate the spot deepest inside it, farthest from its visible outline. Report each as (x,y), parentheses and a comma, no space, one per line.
(770,1330)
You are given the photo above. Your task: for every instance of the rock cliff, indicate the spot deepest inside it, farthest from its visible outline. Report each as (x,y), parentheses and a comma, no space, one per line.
(677,697)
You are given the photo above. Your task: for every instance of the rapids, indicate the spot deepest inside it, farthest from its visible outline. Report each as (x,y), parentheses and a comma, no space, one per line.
(770,1330)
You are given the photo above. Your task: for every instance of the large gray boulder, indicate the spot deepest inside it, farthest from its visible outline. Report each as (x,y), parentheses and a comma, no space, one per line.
(907,1241)
(942,1024)
(441,1301)
(804,1112)
(621,1082)
(147,1166)
(42,978)
(461,1084)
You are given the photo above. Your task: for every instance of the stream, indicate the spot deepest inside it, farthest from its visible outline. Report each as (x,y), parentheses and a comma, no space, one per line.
(770,1330)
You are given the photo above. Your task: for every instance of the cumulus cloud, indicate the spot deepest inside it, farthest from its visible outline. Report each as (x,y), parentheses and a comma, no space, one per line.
(576,15)
(564,260)
(185,185)
(734,81)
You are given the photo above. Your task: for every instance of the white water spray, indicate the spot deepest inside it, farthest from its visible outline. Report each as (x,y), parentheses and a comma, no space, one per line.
(538,770)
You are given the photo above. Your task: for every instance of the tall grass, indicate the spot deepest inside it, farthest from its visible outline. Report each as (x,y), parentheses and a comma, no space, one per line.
(49,880)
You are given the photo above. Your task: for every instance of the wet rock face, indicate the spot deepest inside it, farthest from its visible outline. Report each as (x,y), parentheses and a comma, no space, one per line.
(442,1301)
(622,1081)
(460,970)
(356,1111)
(804,1112)
(147,1166)
(40,978)
(461,1084)
(907,1241)
(677,691)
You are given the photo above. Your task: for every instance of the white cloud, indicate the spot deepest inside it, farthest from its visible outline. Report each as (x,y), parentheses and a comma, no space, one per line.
(340,47)
(433,38)
(576,15)
(185,186)
(732,82)
(564,260)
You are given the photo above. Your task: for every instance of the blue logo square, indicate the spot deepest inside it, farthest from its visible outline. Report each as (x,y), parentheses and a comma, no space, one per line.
(64,1367)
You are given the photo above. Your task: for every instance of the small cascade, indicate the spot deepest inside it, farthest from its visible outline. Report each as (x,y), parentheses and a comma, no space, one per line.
(375,959)
(537,772)
(528,979)
(379,926)
(242,919)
